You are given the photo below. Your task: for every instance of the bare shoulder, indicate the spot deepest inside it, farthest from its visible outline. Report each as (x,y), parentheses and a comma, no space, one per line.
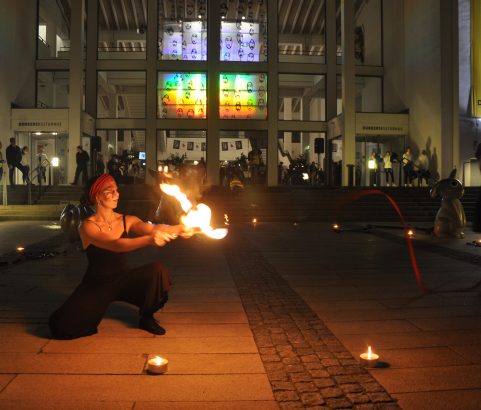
(89,225)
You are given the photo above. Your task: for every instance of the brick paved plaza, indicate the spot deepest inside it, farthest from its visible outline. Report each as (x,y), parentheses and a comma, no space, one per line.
(271,317)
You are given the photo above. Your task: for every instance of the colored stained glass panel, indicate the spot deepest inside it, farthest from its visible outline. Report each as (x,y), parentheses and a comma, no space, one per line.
(243,96)
(181,95)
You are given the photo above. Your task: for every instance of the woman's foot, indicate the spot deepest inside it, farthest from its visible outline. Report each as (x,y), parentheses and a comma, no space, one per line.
(151,325)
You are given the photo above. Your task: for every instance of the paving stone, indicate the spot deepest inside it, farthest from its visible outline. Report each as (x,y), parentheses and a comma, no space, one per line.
(440,400)
(280,385)
(220,405)
(311,399)
(304,387)
(331,392)
(95,344)
(138,388)
(430,379)
(65,405)
(286,396)
(201,318)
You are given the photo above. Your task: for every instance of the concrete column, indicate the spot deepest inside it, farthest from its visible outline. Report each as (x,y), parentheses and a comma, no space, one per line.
(51,36)
(272,95)
(213,71)
(449,88)
(288,116)
(76,84)
(348,87)
(151,80)
(91,59)
(330,40)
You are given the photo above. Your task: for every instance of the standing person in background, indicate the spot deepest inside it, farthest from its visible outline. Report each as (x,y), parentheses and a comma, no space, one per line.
(423,168)
(388,169)
(26,164)
(100,165)
(373,169)
(1,162)
(82,159)
(14,159)
(407,163)
(42,161)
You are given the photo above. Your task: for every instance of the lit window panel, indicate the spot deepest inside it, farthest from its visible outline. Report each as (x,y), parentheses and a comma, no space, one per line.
(181,95)
(243,96)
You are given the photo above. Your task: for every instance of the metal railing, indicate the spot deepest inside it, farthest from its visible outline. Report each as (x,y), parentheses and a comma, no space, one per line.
(4,189)
(40,172)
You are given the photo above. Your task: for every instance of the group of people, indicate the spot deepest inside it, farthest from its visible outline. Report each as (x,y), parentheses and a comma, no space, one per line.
(19,158)
(412,169)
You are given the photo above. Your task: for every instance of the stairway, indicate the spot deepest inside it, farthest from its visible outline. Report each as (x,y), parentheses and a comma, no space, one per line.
(276,204)
(295,204)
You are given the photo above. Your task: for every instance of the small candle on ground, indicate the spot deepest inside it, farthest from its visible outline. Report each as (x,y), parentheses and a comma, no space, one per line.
(369,359)
(157,365)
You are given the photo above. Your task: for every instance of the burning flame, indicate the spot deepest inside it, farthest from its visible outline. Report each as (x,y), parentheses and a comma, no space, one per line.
(226,219)
(369,353)
(157,360)
(195,218)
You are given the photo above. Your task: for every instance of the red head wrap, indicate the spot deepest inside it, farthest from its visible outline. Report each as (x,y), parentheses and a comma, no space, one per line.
(98,185)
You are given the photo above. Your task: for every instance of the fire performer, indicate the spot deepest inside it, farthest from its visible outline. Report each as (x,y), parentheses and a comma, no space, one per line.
(108,277)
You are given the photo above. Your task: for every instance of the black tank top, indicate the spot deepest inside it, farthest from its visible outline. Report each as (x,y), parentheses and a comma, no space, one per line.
(104,265)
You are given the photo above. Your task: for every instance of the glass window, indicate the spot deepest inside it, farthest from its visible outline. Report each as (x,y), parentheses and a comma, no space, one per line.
(176,147)
(122,154)
(243,35)
(368,33)
(368,94)
(301,159)
(302,31)
(121,94)
(52,89)
(181,95)
(302,97)
(53,30)
(243,158)
(243,96)
(182,32)
(122,29)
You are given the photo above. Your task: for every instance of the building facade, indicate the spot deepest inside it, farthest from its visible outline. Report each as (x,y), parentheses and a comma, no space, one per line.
(330,81)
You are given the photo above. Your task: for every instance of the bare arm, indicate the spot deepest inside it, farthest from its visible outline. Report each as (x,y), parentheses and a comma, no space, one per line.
(90,234)
(139,227)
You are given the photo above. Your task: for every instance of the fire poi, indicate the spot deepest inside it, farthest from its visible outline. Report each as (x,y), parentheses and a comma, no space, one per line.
(197,217)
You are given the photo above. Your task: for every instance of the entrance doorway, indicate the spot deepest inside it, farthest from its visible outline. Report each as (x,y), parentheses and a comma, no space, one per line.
(369,171)
(334,161)
(44,145)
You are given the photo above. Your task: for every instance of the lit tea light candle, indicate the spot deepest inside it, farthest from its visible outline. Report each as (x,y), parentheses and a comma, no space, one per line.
(19,249)
(254,222)
(336,227)
(369,359)
(410,233)
(157,365)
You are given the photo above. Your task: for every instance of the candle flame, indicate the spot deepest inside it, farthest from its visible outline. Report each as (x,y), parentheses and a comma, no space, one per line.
(369,353)
(20,248)
(410,233)
(198,217)
(335,226)
(254,221)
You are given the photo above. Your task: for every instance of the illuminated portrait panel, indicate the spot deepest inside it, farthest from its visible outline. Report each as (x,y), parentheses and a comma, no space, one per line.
(181,95)
(243,96)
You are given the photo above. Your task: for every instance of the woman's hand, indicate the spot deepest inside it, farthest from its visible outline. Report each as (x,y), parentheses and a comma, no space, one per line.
(160,238)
